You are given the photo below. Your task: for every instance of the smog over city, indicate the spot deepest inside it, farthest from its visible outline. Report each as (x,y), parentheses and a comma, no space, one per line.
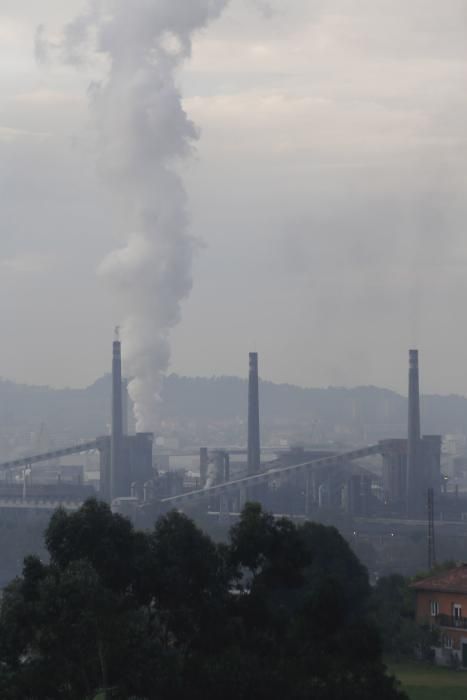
(233,398)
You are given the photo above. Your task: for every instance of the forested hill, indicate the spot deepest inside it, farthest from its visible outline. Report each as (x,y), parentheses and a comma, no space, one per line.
(225,398)
(77,413)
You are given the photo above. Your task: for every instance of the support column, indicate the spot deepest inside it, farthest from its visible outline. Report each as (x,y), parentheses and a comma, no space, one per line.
(203,466)
(224,510)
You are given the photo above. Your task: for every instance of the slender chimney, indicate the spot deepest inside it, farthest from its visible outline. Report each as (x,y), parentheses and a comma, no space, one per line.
(117,421)
(414,482)
(125,406)
(254,457)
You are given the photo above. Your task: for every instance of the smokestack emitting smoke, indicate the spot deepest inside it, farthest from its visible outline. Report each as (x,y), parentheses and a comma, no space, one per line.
(414,498)
(143,131)
(254,457)
(117,420)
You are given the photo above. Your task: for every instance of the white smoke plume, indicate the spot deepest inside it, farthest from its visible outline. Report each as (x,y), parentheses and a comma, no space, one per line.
(143,133)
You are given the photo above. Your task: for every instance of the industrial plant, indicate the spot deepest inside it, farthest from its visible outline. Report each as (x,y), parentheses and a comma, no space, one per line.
(388,487)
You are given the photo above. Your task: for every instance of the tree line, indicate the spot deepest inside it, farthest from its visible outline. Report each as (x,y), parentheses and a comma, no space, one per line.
(279,611)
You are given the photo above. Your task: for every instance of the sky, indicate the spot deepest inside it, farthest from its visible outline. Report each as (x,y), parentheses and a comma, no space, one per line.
(327,193)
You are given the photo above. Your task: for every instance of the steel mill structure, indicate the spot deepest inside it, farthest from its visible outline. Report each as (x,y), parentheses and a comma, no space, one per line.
(131,478)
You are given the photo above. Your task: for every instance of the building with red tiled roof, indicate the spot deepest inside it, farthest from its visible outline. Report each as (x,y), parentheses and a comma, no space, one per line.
(441,602)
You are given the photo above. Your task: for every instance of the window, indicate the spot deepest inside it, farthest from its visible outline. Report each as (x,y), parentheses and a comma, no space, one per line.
(447,642)
(434,607)
(457,614)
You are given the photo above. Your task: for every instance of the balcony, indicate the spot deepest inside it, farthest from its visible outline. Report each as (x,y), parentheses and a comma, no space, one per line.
(451,621)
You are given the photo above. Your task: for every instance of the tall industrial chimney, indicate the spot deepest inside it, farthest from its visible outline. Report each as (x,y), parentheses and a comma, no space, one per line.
(116,441)
(125,406)
(415,496)
(254,457)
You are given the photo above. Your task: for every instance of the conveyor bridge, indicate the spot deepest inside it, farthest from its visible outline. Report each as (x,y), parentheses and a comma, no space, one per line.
(231,487)
(47,456)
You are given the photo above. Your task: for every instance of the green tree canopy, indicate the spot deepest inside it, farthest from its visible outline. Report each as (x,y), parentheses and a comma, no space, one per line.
(280,611)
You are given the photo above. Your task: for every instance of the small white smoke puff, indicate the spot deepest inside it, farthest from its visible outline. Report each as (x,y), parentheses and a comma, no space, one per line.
(143,132)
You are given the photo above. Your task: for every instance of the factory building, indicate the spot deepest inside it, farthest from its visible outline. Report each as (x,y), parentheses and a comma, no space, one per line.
(395,455)
(135,465)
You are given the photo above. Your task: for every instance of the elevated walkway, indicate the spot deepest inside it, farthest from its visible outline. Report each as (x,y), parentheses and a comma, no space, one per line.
(46,456)
(231,487)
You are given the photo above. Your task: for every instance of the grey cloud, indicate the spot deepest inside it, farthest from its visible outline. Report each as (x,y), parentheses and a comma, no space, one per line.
(41,48)
(329,186)
(264,7)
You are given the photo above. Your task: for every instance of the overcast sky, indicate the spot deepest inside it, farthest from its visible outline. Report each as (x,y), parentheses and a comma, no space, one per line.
(328,193)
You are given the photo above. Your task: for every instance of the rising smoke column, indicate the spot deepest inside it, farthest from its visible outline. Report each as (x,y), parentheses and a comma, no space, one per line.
(143,133)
